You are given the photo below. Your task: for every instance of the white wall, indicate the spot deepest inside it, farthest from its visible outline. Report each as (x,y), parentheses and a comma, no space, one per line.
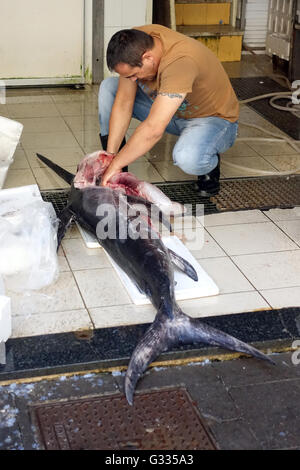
(40,39)
(122,14)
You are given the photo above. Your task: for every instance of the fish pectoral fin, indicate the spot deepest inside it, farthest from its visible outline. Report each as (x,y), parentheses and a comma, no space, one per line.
(65,218)
(183,265)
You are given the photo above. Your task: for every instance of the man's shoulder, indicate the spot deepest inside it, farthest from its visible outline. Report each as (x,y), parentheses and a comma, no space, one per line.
(147,28)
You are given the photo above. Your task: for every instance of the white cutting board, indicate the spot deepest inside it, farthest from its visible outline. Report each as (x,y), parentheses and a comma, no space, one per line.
(185,287)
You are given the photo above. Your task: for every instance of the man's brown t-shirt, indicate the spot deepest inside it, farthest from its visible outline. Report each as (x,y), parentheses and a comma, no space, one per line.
(187,66)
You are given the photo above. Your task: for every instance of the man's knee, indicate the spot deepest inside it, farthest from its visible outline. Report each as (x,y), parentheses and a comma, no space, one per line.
(194,163)
(108,89)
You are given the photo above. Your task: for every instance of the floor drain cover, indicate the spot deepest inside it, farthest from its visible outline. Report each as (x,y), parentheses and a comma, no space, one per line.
(258,193)
(160,420)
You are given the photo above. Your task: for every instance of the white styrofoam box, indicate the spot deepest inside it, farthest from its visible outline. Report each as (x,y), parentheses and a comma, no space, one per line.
(185,287)
(5,318)
(10,133)
(3,173)
(12,199)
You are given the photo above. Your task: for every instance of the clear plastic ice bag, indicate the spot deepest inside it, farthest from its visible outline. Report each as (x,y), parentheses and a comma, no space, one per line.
(28,243)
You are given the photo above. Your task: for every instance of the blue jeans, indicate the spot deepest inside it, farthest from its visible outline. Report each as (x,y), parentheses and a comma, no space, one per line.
(200,139)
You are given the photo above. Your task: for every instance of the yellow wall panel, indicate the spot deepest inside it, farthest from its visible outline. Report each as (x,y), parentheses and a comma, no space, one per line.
(230,48)
(211,42)
(202,13)
(226,48)
(179,13)
(194,13)
(217,12)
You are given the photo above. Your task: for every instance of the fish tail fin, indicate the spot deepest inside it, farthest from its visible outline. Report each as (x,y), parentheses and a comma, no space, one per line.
(64,174)
(167,332)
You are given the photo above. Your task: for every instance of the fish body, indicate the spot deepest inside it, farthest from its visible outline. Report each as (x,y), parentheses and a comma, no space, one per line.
(142,255)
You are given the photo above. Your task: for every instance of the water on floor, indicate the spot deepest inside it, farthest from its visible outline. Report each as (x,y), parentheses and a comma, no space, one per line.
(253,256)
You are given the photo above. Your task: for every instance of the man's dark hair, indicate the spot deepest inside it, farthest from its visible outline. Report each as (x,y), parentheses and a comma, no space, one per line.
(127,46)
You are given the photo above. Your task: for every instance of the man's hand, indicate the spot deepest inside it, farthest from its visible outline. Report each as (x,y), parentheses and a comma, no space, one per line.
(112,170)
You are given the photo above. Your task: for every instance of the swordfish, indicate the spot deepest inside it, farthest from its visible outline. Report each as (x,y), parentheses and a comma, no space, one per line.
(143,256)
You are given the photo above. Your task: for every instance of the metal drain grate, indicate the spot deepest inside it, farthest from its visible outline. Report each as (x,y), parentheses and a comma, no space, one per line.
(182,192)
(160,420)
(58,197)
(258,193)
(235,194)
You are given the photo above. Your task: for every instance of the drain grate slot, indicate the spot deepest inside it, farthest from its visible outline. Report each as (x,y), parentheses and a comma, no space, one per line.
(159,420)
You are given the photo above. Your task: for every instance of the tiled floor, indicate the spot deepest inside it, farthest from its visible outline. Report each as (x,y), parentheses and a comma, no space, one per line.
(253,256)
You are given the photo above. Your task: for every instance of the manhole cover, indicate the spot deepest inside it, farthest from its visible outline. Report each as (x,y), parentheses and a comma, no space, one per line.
(160,420)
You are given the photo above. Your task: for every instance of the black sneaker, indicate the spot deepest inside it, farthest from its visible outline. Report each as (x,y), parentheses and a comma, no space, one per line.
(209,185)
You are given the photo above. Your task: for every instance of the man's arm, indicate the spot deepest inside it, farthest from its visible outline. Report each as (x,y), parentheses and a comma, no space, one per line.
(121,113)
(147,134)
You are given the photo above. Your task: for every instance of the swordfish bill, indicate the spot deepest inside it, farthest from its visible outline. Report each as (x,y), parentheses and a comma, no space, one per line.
(145,259)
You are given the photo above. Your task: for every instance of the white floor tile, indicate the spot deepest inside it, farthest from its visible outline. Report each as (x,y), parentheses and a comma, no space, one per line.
(291,228)
(255,165)
(171,172)
(271,270)
(82,123)
(272,148)
(239,149)
(77,109)
(47,179)
(233,218)
(101,287)
(19,177)
(145,171)
(50,323)
(200,243)
(60,296)
(283,214)
(28,110)
(251,238)
(80,257)
(43,124)
(284,162)
(20,161)
(88,138)
(64,157)
(280,298)
(226,275)
(38,140)
(126,315)
(224,304)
